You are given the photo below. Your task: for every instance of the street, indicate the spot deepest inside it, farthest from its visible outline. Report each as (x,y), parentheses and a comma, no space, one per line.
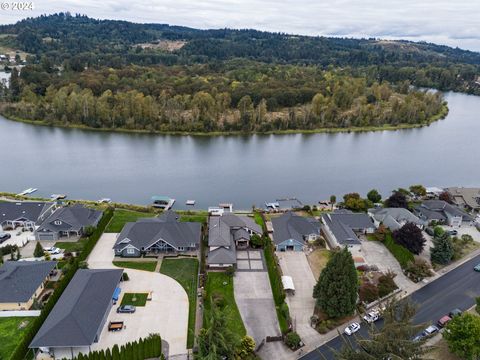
(456,289)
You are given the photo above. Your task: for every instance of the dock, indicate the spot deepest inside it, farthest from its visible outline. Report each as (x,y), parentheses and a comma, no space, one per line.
(58,196)
(27,191)
(162,202)
(190,202)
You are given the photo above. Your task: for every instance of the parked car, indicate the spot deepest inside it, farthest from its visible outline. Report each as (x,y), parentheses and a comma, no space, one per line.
(452,232)
(52,250)
(371,317)
(4,237)
(128,309)
(429,331)
(477,267)
(430,231)
(455,312)
(443,321)
(352,328)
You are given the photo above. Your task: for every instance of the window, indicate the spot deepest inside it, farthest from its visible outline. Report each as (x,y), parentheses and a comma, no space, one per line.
(130,251)
(58,222)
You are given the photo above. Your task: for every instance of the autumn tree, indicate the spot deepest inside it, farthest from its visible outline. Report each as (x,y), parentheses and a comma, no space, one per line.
(410,237)
(397,200)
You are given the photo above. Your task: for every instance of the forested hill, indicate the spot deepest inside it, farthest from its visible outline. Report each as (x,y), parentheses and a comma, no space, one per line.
(62,36)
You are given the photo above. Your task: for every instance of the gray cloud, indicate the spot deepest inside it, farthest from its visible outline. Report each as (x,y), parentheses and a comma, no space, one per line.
(453,23)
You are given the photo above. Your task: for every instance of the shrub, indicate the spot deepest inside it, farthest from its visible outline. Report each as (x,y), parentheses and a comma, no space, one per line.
(256,241)
(230,271)
(125,276)
(292,340)
(218,299)
(38,252)
(386,284)
(368,292)
(246,348)
(417,270)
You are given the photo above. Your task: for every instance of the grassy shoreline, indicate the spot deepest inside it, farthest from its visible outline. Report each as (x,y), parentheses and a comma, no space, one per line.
(441,115)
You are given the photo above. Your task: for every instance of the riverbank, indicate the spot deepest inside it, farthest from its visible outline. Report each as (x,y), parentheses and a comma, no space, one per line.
(441,115)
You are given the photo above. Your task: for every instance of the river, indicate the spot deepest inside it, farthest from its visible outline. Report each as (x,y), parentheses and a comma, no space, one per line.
(243,170)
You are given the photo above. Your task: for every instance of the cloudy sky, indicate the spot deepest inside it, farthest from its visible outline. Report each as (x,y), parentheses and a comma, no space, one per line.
(450,22)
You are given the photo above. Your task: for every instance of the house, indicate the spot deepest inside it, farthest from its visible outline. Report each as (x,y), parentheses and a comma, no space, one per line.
(394,218)
(21,282)
(161,234)
(341,228)
(67,221)
(467,198)
(226,234)
(442,212)
(78,318)
(24,213)
(292,232)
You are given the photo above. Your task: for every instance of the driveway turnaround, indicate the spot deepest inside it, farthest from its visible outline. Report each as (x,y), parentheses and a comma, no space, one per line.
(166,314)
(302,304)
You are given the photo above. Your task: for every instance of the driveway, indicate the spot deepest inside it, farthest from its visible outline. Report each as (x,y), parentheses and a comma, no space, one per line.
(166,313)
(302,304)
(250,260)
(254,299)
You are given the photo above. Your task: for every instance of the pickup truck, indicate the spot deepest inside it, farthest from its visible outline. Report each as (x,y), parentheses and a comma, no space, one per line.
(371,316)
(115,325)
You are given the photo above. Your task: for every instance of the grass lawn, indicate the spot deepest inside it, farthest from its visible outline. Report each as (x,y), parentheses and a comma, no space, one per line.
(140,299)
(215,285)
(72,246)
(145,266)
(122,216)
(318,260)
(185,272)
(258,219)
(201,218)
(11,333)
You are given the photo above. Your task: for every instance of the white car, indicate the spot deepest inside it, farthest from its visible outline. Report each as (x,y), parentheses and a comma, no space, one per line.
(371,317)
(52,250)
(352,328)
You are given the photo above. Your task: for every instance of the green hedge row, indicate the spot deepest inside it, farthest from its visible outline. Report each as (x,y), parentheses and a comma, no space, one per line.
(275,276)
(401,253)
(150,347)
(22,348)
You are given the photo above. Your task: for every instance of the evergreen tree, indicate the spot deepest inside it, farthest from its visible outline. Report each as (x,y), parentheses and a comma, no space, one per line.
(38,252)
(337,288)
(116,353)
(108,354)
(442,251)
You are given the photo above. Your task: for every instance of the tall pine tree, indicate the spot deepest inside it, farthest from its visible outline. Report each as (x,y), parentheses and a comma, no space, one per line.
(442,251)
(337,288)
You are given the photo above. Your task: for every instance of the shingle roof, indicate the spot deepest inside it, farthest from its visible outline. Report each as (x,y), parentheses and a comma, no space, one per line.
(292,226)
(342,226)
(223,255)
(17,210)
(437,210)
(76,317)
(394,217)
(465,196)
(146,232)
(72,218)
(20,280)
(220,228)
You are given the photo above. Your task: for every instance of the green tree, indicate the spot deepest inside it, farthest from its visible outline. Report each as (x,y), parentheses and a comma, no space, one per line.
(462,334)
(337,287)
(246,348)
(442,251)
(115,352)
(418,190)
(374,196)
(397,200)
(333,200)
(38,252)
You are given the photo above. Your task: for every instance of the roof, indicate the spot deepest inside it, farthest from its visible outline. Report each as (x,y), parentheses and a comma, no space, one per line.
(223,255)
(221,228)
(76,317)
(439,209)
(10,211)
(292,226)
(342,225)
(465,196)
(146,232)
(393,218)
(287,282)
(72,218)
(20,280)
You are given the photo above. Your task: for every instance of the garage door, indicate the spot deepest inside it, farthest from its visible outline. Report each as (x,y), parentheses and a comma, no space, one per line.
(46,237)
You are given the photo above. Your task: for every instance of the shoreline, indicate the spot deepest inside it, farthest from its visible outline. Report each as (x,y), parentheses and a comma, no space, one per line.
(441,115)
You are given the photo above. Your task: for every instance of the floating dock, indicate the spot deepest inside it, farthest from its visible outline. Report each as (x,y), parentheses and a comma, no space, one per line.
(27,191)
(162,202)
(190,202)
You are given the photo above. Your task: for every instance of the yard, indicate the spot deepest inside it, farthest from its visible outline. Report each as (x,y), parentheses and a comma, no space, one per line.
(198,216)
(440,352)
(135,299)
(70,246)
(318,260)
(137,265)
(12,330)
(221,285)
(122,216)
(185,270)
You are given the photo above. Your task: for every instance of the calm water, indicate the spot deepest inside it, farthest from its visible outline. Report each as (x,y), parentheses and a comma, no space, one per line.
(242,170)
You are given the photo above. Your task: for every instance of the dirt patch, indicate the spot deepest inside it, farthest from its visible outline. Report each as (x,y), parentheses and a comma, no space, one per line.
(441,352)
(166,45)
(318,260)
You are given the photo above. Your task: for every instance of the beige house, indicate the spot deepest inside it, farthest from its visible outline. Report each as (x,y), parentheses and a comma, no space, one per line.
(23,282)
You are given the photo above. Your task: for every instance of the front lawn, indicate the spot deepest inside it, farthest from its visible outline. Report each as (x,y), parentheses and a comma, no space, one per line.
(220,285)
(200,217)
(135,299)
(122,216)
(76,246)
(259,220)
(12,330)
(185,271)
(145,266)
(318,260)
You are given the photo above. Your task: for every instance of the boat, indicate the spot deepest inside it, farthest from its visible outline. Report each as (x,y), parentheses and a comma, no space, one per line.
(104,201)
(162,202)
(27,191)
(190,202)
(58,196)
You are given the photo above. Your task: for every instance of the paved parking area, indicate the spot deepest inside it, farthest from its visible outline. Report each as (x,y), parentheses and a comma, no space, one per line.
(166,313)
(250,260)
(18,238)
(469,230)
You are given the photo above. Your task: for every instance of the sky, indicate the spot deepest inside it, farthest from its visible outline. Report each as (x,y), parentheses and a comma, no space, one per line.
(449,22)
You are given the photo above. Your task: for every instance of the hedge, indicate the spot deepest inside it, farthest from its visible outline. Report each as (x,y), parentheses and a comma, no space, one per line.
(22,348)
(401,253)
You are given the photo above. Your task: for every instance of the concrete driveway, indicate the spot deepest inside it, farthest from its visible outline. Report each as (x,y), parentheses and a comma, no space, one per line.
(302,304)
(166,313)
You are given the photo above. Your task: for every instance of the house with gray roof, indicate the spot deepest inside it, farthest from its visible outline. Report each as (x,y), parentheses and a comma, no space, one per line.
(226,234)
(67,221)
(442,212)
(394,218)
(24,213)
(466,198)
(161,234)
(21,282)
(341,228)
(291,231)
(78,318)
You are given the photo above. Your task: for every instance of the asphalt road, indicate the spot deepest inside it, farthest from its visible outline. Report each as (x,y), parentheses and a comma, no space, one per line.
(456,289)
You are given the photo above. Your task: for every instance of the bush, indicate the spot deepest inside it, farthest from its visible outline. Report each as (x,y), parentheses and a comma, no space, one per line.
(400,253)
(125,276)
(418,270)
(411,237)
(386,284)
(230,271)
(368,292)
(292,340)
(256,241)
(38,252)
